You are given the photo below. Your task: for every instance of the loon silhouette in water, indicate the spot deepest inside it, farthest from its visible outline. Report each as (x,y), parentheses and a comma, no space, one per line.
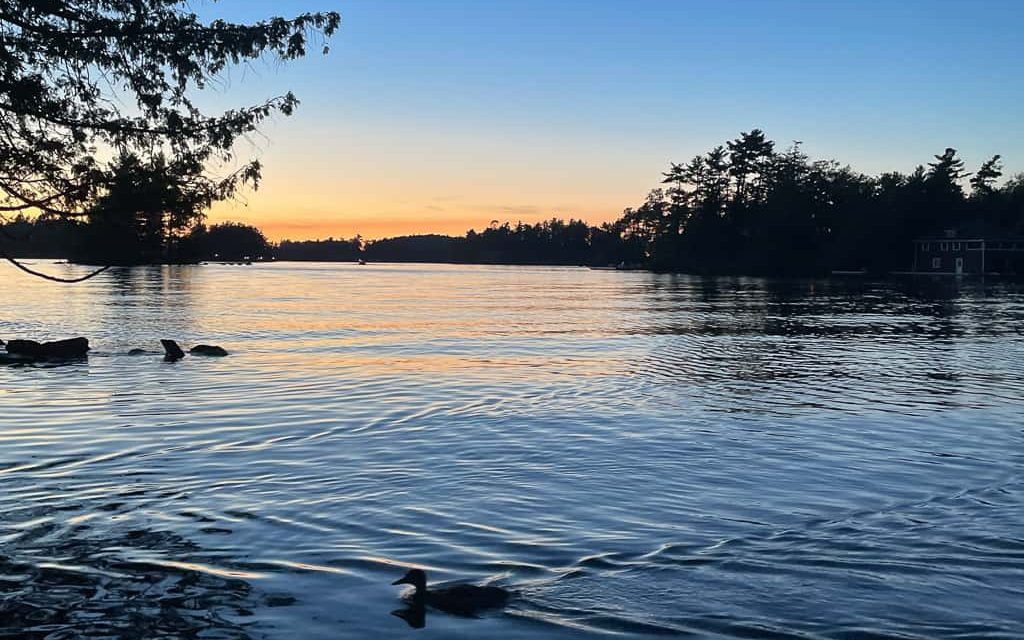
(460,599)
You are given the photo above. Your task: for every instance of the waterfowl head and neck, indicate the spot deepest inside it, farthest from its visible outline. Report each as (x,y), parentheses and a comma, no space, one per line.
(417,578)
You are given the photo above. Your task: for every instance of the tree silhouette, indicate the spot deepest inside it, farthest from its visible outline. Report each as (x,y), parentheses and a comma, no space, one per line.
(754,210)
(235,241)
(984,177)
(147,207)
(81,78)
(749,156)
(781,213)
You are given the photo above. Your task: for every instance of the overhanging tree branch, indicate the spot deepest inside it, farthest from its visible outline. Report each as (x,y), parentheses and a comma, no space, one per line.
(46,276)
(66,65)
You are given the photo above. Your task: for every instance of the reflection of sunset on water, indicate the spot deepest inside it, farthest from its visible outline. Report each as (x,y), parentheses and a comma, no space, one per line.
(590,439)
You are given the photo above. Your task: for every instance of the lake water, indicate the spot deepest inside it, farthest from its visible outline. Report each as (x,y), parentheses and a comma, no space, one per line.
(634,455)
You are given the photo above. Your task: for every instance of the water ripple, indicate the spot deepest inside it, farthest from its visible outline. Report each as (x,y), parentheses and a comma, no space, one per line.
(633,455)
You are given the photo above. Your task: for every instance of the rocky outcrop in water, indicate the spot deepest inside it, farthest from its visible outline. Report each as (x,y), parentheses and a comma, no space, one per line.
(171,350)
(208,350)
(28,351)
(56,350)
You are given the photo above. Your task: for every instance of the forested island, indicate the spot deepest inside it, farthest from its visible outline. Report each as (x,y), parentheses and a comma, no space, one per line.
(744,207)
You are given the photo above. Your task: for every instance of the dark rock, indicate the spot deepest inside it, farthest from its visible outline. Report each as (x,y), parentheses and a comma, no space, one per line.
(208,350)
(73,348)
(59,349)
(171,350)
(29,348)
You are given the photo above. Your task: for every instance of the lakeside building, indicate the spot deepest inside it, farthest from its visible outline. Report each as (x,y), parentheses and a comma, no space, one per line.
(951,254)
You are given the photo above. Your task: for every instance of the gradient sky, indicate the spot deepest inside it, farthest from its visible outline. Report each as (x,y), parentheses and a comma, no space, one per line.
(441,115)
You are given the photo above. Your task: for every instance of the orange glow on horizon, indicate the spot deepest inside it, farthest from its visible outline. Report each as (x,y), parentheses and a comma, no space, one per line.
(303,226)
(317,194)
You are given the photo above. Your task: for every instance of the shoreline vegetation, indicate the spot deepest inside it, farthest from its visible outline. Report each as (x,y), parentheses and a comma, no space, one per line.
(743,208)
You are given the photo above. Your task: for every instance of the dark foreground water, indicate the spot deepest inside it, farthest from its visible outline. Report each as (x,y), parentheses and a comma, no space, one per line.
(634,454)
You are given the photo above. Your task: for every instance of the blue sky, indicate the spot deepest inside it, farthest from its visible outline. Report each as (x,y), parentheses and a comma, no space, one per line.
(437,115)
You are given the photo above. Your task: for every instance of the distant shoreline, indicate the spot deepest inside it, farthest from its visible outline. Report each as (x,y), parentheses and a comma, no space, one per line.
(835,275)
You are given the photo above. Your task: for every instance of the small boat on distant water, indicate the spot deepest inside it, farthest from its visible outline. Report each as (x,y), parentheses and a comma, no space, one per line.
(622,266)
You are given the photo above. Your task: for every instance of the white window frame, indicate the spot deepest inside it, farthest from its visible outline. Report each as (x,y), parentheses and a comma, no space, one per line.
(956,246)
(936,263)
(943,246)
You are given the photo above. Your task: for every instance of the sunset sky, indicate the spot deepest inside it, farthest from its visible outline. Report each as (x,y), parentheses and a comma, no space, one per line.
(441,115)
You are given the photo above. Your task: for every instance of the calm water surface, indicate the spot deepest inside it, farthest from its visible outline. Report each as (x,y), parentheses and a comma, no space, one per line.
(634,455)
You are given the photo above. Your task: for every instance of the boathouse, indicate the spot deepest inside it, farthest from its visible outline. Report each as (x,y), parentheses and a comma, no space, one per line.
(952,254)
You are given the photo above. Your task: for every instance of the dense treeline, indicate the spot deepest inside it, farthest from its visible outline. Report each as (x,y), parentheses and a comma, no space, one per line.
(422,248)
(230,241)
(554,242)
(746,207)
(742,208)
(152,211)
(549,242)
(319,250)
(46,236)
(60,237)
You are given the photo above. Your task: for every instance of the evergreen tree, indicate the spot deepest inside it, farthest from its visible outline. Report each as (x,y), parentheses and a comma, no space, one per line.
(990,171)
(80,79)
(146,208)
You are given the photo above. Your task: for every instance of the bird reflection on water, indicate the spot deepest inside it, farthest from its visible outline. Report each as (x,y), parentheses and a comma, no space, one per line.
(415,615)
